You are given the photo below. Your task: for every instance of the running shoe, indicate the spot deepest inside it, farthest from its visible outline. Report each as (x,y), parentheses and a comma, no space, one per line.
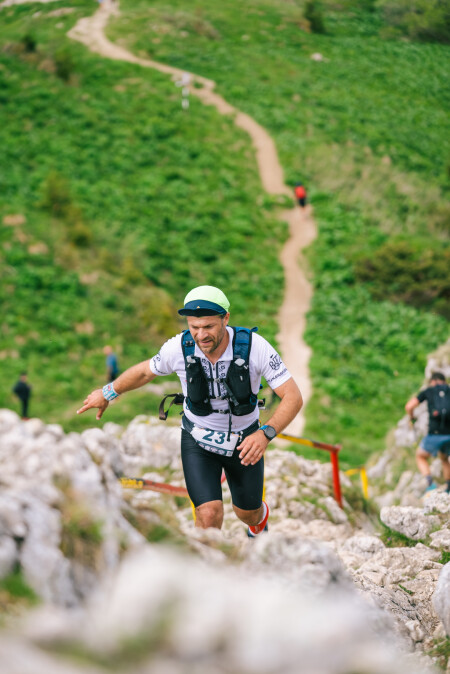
(430,487)
(262,526)
(251,535)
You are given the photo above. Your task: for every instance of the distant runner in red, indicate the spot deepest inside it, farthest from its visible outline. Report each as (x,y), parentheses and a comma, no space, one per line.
(300,193)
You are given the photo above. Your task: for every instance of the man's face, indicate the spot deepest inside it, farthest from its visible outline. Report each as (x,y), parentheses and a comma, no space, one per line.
(208,331)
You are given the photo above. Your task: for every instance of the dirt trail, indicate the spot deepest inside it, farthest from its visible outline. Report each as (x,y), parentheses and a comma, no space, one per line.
(297,295)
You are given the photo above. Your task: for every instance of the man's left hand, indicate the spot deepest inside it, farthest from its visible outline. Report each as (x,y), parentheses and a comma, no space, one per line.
(252,448)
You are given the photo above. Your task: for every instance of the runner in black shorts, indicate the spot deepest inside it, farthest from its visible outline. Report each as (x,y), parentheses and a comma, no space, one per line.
(220,370)
(203,470)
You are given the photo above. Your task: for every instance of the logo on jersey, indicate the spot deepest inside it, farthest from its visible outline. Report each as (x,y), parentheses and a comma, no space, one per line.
(275,361)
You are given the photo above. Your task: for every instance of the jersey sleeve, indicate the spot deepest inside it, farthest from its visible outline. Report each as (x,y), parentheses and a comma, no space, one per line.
(423,395)
(164,361)
(269,363)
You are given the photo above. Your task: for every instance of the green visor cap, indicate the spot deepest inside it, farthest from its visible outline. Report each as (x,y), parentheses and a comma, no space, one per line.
(205,301)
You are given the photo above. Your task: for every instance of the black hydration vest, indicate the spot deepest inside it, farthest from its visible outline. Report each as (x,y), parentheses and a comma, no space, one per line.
(239,394)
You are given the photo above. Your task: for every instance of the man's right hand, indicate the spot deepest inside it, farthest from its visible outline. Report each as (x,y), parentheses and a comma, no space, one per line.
(96,400)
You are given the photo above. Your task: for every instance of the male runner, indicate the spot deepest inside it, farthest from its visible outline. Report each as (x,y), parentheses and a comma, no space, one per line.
(437,441)
(220,427)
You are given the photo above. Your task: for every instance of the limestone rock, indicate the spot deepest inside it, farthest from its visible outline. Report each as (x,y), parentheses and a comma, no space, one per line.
(410,522)
(229,620)
(309,564)
(8,555)
(441,539)
(441,598)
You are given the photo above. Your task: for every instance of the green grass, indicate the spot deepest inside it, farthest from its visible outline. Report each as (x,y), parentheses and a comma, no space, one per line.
(16,596)
(382,94)
(128,201)
(394,539)
(441,651)
(445,559)
(115,179)
(368,132)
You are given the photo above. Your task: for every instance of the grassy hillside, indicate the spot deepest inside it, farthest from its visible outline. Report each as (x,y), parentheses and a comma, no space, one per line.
(129,200)
(366,128)
(125,202)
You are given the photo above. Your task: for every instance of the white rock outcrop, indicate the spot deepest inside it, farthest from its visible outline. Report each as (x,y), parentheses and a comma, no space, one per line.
(411,522)
(441,598)
(321,579)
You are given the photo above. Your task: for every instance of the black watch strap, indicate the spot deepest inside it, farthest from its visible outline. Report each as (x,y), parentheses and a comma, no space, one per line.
(268,431)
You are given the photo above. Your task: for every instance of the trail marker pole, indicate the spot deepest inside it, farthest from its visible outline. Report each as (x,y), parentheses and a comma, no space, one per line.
(332,449)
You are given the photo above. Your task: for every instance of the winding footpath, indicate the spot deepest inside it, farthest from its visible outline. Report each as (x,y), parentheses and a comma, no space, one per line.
(297,293)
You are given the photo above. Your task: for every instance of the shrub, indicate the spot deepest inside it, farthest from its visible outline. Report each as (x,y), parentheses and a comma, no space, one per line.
(56,197)
(403,272)
(313,14)
(427,20)
(29,43)
(64,64)
(81,235)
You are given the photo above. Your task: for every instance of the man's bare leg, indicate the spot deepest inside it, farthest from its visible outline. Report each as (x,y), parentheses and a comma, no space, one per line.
(209,514)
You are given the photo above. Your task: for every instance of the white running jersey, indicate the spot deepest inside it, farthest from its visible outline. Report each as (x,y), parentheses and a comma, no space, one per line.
(264,362)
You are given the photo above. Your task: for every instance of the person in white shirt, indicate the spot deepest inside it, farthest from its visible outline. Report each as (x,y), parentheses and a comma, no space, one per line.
(220,370)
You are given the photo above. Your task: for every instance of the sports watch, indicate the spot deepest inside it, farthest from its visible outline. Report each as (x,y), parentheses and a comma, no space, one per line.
(268,431)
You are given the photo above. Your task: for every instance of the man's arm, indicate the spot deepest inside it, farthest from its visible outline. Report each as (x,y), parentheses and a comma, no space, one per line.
(253,446)
(133,378)
(411,406)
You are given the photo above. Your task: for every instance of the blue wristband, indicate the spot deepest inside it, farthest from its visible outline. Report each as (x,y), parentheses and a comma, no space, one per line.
(109,393)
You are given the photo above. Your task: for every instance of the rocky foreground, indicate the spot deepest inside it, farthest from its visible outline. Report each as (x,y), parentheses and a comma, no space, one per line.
(126,583)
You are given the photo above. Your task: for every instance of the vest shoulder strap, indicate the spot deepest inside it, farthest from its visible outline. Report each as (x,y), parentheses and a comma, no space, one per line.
(242,343)
(187,344)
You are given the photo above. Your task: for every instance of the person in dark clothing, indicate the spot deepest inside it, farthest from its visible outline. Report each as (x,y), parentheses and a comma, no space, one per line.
(437,441)
(300,194)
(22,390)
(112,364)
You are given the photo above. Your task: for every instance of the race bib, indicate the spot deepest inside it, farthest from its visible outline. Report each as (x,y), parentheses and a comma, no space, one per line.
(215,441)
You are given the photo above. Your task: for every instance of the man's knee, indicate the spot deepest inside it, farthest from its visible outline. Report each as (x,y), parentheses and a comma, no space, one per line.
(249,517)
(209,514)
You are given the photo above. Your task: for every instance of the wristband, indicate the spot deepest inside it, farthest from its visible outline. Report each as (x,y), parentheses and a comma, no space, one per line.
(109,393)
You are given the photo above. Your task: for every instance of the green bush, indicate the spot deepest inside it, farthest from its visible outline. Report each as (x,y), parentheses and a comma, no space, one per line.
(64,64)
(29,43)
(401,271)
(57,198)
(427,20)
(80,235)
(313,14)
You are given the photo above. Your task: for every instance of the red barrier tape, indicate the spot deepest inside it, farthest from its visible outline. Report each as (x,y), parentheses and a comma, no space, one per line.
(151,485)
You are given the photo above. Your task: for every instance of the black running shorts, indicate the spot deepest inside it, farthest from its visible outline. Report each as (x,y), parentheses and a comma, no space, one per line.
(203,470)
